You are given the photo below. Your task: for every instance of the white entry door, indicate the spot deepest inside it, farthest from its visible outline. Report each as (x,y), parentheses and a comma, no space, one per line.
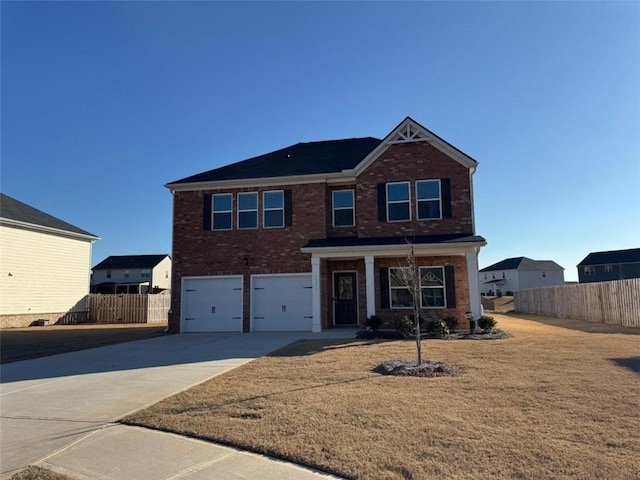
(281,303)
(212,304)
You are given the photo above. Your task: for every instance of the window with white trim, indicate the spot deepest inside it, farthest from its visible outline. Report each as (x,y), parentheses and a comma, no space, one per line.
(398,202)
(343,208)
(248,210)
(145,273)
(126,274)
(432,287)
(428,200)
(400,295)
(608,268)
(222,211)
(589,270)
(108,273)
(273,209)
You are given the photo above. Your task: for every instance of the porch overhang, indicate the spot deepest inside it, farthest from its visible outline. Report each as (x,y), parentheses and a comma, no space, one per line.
(354,247)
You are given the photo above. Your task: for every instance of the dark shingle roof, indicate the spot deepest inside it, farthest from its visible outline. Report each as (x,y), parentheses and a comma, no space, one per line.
(522,263)
(119,262)
(12,209)
(378,241)
(310,158)
(631,255)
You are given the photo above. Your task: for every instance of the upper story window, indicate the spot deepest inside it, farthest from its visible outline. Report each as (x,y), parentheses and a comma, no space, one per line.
(428,199)
(343,208)
(222,211)
(608,268)
(108,273)
(126,274)
(146,273)
(248,210)
(273,209)
(398,202)
(589,270)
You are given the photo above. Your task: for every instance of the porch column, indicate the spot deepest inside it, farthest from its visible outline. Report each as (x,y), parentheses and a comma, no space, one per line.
(474,288)
(316,325)
(370,284)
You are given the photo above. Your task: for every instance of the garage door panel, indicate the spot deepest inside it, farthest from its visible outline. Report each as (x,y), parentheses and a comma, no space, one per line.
(282,303)
(212,304)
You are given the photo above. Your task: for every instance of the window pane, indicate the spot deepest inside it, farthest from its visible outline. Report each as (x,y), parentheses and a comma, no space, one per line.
(345,288)
(397,191)
(431,277)
(430,189)
(248,220)
(222,221)
(433,297)
(399,211)
(274,218)
(401,298)
(221,202)
(429,209)
(343,199)
(397,277)
(247,201)
(343,218)
(273,199)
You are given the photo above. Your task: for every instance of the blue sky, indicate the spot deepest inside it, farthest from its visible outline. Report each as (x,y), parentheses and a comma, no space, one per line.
(105,102)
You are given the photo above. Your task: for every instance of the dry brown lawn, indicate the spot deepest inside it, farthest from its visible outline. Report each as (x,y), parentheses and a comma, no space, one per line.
(548,403)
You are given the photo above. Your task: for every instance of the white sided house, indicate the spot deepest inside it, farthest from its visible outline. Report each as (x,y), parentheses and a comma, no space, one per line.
(519,273)
(132,274)
(44,267)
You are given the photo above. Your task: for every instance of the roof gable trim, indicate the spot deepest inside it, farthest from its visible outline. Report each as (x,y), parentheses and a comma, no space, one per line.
(49,230)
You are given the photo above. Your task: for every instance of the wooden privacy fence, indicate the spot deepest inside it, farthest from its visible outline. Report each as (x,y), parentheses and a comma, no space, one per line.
(129,308)
(616,303)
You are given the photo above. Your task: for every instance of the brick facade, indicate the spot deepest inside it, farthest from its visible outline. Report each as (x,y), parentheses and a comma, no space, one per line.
(200,252)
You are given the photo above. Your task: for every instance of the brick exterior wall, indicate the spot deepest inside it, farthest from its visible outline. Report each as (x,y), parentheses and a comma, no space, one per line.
(200,252)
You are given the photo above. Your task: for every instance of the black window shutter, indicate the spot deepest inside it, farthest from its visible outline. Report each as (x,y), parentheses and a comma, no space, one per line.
(382,202)
(206,216)
(288,209)
(449,281)
(445,192)
(384,288)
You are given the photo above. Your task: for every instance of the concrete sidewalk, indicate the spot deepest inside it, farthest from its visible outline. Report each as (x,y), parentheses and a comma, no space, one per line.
(51,406)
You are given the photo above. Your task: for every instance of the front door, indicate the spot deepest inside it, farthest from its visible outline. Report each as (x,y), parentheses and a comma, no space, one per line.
(345,295)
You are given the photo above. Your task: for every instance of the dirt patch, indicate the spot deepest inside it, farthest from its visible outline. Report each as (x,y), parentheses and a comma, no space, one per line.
(411,368)
(24,343)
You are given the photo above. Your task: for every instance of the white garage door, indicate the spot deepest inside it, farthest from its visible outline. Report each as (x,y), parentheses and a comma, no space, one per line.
(281,303)
(212,304)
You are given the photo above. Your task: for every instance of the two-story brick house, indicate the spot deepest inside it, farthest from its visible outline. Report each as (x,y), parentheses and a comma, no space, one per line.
(312,236)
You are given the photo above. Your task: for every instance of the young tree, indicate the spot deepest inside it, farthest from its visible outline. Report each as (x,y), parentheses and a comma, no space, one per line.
(410,276)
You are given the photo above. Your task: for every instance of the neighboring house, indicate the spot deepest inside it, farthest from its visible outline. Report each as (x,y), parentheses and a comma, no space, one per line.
(612,265)
(132,274)
(311,236)
(44,266)
(518,273)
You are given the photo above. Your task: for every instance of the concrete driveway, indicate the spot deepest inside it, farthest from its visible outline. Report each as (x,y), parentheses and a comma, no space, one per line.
(50,403)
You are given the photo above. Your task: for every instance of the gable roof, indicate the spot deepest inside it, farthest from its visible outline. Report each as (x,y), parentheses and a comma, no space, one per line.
(123,262)
(318,161)
(631,255)
(300,159)
(19,213)
(522,263)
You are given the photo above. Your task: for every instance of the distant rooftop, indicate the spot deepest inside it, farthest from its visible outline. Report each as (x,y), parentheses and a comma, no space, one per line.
(522,263)
(124,262)
(12,209)
(631,255)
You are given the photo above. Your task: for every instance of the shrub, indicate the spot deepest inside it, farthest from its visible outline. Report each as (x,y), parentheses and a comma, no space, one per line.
(406,326)
(451,322)
(486,323)
(472,325)
(436,326)
(374,322)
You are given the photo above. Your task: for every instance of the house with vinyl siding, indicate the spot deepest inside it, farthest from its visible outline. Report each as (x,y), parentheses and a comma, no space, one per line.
(313,236)
(44,266)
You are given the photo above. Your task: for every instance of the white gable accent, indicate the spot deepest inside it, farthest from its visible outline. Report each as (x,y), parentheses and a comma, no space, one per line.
(410,131)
